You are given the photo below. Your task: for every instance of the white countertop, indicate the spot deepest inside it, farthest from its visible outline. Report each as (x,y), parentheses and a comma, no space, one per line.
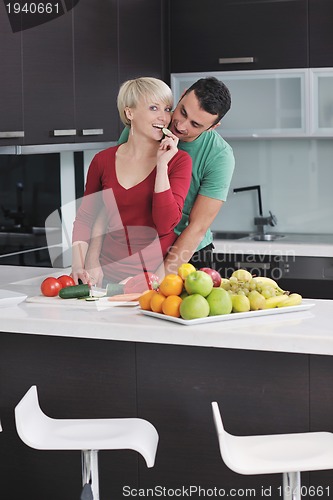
(307,245)
(308,331)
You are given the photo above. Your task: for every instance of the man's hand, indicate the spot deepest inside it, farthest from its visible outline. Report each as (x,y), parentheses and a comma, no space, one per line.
(203,213)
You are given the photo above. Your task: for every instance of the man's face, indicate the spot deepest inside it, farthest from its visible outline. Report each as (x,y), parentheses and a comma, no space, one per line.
(189,120)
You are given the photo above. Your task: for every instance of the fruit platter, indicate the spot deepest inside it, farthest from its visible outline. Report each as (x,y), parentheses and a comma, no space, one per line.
(202,296)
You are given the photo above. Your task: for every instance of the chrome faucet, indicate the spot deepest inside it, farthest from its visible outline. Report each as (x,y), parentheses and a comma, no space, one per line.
(261,222)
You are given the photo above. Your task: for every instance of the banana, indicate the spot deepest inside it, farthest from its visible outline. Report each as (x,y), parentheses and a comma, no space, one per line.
(277,301)
(294,299)
(262,280)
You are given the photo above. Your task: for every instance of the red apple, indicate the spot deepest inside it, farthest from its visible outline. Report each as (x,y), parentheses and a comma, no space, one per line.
(215,275)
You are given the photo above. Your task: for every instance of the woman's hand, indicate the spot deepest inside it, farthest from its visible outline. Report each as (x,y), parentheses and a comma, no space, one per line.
(80,274)
(95,273)
(167,150)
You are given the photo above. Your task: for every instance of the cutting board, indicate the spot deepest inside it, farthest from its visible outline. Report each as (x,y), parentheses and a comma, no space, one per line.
(102,303)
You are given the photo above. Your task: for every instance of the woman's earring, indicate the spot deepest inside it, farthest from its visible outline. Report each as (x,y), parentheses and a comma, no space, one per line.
(132,129)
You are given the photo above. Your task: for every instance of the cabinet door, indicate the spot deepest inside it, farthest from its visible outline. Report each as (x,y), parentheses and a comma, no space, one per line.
(49,82)
(321,33)
(11,115)
(141,44)
(96,70)
(141,39)
(322,102)
(264,103)
(238,34)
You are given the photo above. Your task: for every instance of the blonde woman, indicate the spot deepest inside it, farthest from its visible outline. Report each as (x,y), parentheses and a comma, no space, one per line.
(136,189)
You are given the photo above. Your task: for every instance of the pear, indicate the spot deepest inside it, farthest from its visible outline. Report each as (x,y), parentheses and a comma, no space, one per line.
(240,303)
(257,301)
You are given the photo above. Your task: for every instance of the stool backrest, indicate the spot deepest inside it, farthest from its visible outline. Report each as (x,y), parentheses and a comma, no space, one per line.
(29,418)
(226,440)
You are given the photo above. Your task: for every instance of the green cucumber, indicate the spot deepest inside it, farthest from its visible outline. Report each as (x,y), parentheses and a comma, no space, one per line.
(74,292)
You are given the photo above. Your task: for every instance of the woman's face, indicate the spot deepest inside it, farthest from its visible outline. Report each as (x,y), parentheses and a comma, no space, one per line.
(149,117)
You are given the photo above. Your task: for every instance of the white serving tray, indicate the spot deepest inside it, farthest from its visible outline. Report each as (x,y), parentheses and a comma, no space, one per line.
(229,317)
(9,298)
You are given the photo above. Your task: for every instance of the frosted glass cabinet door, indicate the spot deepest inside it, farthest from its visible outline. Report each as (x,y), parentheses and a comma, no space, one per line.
(322,103)
(266,103)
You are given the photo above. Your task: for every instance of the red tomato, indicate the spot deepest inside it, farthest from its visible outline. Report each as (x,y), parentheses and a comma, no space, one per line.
(50,287)
(66,281)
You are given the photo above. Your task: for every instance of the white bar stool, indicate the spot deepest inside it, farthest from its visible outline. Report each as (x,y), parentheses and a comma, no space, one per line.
(289,454)
(41,432)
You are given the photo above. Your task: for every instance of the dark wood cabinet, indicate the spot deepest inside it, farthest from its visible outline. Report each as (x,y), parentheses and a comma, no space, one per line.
(141,43)
(321,33)
(141,39)
(48,82)
(96,71)
(221,34)
(61,78)
(70,67)
(11,99)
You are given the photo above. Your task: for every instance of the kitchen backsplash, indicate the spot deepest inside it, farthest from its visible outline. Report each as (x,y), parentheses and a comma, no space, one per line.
(296,179)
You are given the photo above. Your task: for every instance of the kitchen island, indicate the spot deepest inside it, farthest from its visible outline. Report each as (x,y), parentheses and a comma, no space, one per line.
(270,374)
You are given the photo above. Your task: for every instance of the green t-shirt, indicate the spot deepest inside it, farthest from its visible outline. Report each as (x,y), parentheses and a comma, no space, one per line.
(213,164)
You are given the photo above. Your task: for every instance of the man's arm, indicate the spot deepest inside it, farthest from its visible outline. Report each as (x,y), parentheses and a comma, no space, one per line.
(203,213)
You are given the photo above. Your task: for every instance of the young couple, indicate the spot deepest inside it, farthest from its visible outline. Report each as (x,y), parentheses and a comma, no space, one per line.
(149,202)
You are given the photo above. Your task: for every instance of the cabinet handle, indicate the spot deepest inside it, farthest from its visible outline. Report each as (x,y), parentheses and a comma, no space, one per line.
(256,265)
(63,133)
(235,60)
(11,135)
(92,131)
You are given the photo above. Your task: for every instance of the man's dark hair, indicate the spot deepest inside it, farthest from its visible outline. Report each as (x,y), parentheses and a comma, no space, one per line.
(213,96)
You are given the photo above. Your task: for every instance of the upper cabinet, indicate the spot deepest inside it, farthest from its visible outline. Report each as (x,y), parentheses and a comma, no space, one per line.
(321,33)
(11,98)
(225,35)
(61,68)
(48,81)
(272,103)
(265,103)
(142,47)
(321,81)
(96,70)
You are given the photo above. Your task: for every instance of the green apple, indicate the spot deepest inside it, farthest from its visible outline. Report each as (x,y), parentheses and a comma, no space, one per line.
(194,306)
(199,282)
(219,301)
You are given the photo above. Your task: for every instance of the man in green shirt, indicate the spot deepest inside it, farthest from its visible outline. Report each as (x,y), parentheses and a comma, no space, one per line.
(194,119)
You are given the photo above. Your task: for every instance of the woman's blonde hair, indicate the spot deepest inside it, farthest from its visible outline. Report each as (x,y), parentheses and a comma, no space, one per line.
(147,88)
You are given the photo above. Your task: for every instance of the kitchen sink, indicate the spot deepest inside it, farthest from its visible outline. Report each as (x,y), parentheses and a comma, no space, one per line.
(229,235)
(266,237)
(236,235)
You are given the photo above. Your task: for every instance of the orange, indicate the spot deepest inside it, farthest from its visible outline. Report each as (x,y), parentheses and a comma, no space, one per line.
(156,302)
(171,305)
(145,298)
(172,284)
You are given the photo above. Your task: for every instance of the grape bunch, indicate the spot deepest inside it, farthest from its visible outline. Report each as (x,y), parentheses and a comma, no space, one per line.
(255,292)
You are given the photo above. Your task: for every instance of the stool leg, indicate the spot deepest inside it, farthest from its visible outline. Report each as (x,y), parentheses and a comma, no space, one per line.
(90,471)
(291,486)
